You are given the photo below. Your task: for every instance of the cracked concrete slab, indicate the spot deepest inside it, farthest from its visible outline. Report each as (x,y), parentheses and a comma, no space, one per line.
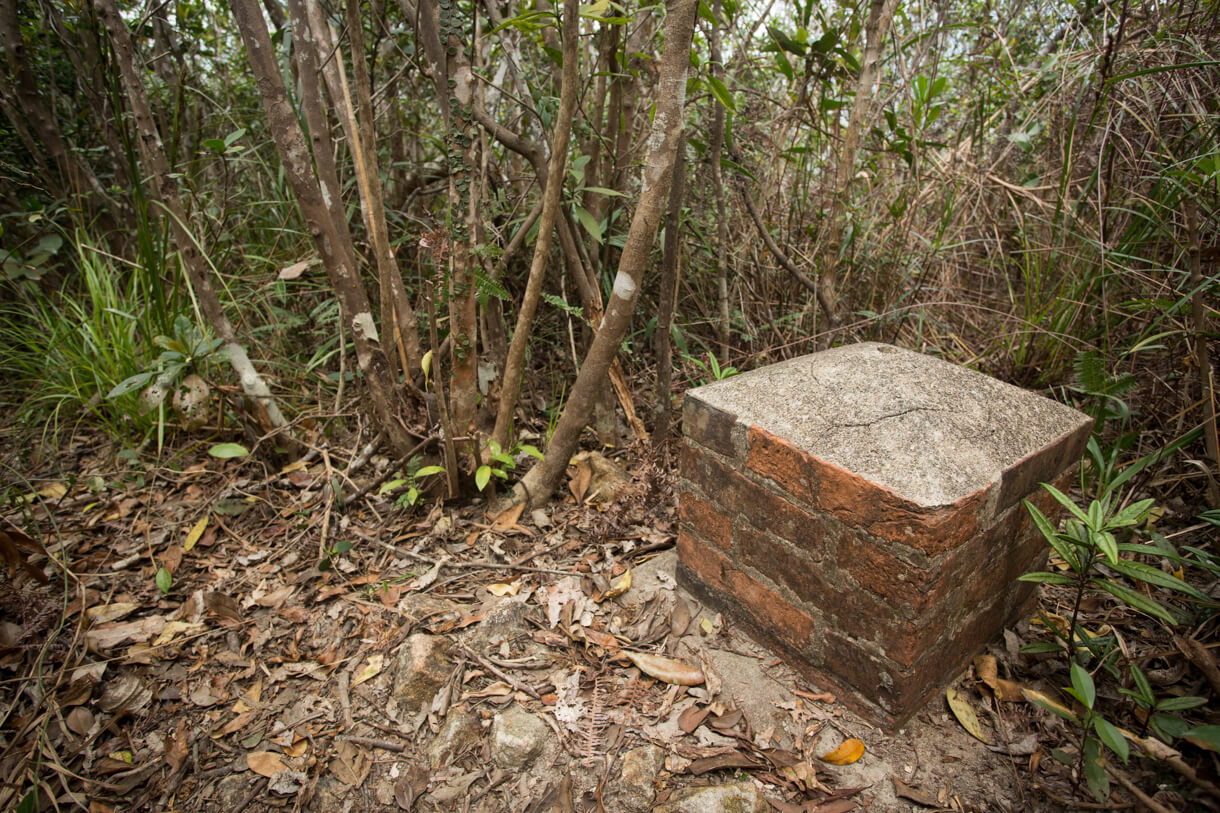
(928,430)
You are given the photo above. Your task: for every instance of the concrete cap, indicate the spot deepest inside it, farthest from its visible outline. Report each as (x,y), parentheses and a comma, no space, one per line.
(931,431)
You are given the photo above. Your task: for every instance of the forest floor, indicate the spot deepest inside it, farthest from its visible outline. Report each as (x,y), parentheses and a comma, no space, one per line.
(453,658)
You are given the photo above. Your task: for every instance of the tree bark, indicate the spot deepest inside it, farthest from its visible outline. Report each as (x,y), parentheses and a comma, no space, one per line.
(669,294)
(881,12)
(315,186)
(667,126)
(550,208)
(716,70)
(398,318)
(163,188)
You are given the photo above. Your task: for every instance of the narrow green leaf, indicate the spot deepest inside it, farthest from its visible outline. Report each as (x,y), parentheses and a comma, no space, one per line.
(128,384)
(1136,601)
(1111,737)
(532,451)
(1043,577)
(428,471)
(227,450)
(1132,514)
(391,485)
(1180,703)
(1082,682)
(1154,575)
(721,92)
(482,477)
(1066,502)
(591,224)
(164,580)
(1108,545)
(1209,734)
(1094,771)
(601,190)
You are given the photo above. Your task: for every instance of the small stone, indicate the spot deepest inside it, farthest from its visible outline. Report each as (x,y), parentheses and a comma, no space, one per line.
(420,670)
(633,791)
(517,738)
(738,797)
(459,734)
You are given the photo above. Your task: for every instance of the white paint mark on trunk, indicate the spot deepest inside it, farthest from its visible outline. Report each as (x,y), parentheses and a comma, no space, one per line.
(363,322)
(624,287)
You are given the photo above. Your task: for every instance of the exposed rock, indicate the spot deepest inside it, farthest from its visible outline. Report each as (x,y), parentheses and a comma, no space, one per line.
(459,734)
(633,790)
(738,797)
(517,738)
(503,621)
(420,670)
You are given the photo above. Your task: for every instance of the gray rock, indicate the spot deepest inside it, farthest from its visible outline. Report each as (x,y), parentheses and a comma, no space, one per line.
(503,621)
(421,668)
(517,738)
(459,734)
(738,797)
(633,791)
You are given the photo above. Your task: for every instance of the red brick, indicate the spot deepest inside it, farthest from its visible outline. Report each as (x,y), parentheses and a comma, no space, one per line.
(776,458)
(899,692)
(782,565)
(704,560)
(1022,477)
(709,426)
(705,520)
(885,514)
(885,575)
(766,607)
(718,482)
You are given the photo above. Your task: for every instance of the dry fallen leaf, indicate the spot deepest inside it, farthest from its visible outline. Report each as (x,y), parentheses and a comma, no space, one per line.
(621,585)
(666,669)
(371,670)
(105,613)
(265,763)
(195,532)
(965,715)
(849,751)
(79,720)
(504,589)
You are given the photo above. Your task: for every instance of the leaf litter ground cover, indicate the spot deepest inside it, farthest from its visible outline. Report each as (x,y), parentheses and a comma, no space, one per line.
(195,657)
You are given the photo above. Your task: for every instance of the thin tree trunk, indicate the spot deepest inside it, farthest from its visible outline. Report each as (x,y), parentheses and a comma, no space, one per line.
(881,12)
(716,147)
(550,208)
(163,188)
(1207,375)
(398,318)
(538,484)
(313,184)
(669,294)
(28,102)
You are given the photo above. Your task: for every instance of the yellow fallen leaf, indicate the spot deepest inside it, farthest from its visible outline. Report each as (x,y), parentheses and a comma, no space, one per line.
(621,585)
(371,670)
(121,756)
(504,589)
(196,532)
(295,465)
(299,748)
(987,669)
(666,669)
(849,751)
(965,715)
(249,698)
(173,628)
(53,491)
(265,763)
(1041,699)
(103,613)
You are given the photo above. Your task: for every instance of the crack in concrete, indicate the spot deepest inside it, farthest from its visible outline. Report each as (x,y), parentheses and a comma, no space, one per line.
(889,417)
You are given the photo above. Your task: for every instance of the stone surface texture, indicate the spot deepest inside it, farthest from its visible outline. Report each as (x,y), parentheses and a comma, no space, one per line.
(859,509)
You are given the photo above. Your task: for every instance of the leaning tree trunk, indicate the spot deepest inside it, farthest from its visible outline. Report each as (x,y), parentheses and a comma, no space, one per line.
(540,481)
(305,176)
(163,187)
(550,208)
(881,12)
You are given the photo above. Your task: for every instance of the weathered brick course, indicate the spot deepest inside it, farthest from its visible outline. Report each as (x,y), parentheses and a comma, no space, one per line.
(859,510)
